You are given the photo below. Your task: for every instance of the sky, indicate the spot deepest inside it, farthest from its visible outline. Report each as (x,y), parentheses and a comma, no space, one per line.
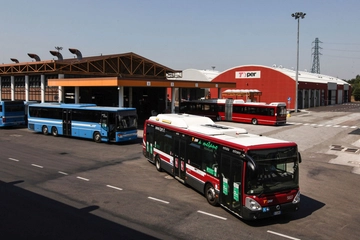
(183,34)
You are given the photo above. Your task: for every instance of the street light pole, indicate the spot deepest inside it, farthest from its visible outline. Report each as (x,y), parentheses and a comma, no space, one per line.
(297,16)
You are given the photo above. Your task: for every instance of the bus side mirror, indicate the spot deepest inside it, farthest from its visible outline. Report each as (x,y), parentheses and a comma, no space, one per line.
(299,157)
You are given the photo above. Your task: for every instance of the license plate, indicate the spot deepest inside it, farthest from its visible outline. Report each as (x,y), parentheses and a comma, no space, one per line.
(277,213)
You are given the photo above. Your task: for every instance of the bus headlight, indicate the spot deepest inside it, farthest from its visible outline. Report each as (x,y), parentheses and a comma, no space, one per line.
(296,198)
(252,204)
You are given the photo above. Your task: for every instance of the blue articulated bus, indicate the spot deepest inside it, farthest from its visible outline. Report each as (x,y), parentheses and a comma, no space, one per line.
(102,124)
(12,113)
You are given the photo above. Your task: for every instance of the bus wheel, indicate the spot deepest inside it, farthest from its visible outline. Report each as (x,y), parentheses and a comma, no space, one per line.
(158,163)
(210,194)
(45,130)
(254,121)
(54,131)
(97,137)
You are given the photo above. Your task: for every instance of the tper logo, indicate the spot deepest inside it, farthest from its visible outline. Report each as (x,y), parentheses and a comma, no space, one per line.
(247,74)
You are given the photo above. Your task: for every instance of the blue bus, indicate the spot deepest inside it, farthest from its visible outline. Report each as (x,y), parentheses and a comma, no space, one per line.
(102,124)
(12,113)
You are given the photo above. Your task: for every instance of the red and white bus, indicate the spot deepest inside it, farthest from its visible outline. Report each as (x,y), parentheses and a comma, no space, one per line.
(237,111)
(252,176)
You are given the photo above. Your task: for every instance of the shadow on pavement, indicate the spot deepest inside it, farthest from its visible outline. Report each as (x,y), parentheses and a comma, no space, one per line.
(307,207)
(26,215)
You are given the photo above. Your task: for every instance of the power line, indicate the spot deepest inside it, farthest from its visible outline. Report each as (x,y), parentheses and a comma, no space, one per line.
(341,50)
(340,56)
(342,43)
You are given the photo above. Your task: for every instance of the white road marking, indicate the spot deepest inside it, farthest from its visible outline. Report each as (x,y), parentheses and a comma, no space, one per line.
(212,215)
(63,173)
(114,187)
(38,166)
(159,200)
(85,179)
(13,159)
(282,235)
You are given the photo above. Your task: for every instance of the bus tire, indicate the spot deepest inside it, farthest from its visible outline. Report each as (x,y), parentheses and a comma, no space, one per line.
(158,163)
(254,121)
(45,130)
(210,194)
(97,137)
(54,131)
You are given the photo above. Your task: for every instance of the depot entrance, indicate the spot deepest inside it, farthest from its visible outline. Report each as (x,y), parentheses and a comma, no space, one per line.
(148,101)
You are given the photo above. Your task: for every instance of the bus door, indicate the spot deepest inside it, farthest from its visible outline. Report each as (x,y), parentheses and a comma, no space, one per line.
(179,158)
(231,182)
(228,109)
(104,125)
(112,125)
(67,116)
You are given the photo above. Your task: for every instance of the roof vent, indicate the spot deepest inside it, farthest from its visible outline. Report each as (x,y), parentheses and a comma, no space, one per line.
(57,54)
(34,56)
(77,52)
(14,60)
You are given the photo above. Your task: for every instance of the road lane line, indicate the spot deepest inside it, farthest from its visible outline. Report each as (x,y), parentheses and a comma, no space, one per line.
(38,166)
(282,235)
(159,200)
(212,215)
(13,159)
(63,173)
(85,179)
(120,189)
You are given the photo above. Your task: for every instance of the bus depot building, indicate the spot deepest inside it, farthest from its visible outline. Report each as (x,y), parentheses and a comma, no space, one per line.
(277,84)
(125,80)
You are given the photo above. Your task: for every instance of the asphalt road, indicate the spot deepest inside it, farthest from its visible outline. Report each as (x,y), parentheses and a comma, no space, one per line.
(65,188)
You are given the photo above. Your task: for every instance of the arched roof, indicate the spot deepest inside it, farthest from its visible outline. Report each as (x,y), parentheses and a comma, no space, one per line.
(303,75)
(196,75)
(310,77)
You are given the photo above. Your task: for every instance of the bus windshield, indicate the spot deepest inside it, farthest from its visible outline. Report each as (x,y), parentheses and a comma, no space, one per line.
(281,111)
(276,170)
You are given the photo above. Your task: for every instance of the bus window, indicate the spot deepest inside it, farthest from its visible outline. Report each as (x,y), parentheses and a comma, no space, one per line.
(209,163)
(194,155)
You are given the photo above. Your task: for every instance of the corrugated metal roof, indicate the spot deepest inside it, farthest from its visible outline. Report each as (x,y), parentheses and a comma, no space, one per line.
(310,77)
(197,75)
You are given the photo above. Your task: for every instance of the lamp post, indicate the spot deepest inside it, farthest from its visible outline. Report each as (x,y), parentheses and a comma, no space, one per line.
(297,17)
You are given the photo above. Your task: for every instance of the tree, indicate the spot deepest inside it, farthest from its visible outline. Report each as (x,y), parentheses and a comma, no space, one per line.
(355,86)
(356,93)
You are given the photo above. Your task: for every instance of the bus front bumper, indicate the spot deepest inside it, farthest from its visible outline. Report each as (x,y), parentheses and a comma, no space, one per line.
(270,211)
